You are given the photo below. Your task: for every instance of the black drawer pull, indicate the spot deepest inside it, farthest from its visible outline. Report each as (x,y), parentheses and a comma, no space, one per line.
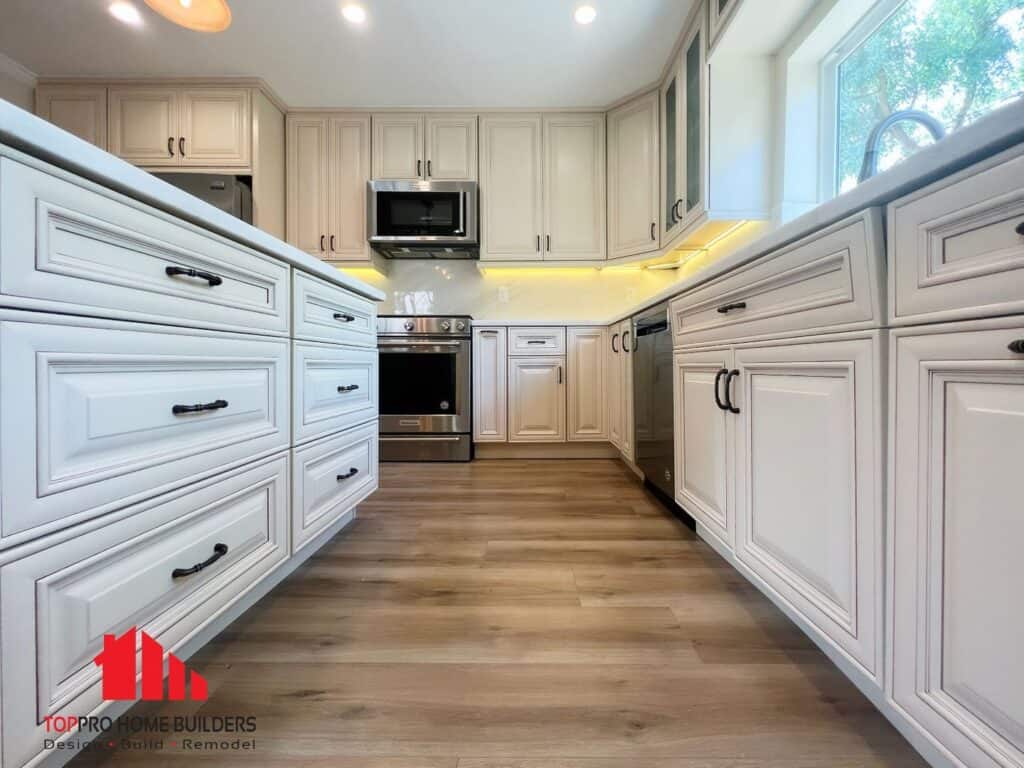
(198,407)
(351,473)
(536,341)
(1017,346)
(219,550)
(209,277)
(718,378)
(728,397)
(344,317)
(349,388)
(727,308)
(1020,229)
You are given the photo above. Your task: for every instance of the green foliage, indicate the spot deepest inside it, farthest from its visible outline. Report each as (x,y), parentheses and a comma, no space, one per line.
(953,58)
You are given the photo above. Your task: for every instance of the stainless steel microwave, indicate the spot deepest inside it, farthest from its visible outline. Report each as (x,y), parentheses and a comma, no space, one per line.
(423,219)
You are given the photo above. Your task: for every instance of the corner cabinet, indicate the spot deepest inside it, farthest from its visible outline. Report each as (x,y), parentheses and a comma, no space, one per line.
(413,147)
(634,222)
(620,387)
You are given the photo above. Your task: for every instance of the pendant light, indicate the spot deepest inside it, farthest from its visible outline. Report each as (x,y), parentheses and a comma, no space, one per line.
(199,15)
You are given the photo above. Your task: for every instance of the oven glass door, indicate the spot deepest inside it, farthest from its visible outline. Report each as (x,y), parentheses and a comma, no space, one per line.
(421,214)
(424,386)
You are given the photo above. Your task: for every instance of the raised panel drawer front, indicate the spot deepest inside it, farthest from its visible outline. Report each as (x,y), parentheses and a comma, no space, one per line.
(331,476)
(325,312)
(58,600)
(830,280)
(76,247)
(809,484)
(957,247)
(536,341)
(335,388)
(89,416)
(955,531)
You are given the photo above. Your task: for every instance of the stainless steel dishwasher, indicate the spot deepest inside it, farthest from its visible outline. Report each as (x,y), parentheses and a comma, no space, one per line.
(652,398)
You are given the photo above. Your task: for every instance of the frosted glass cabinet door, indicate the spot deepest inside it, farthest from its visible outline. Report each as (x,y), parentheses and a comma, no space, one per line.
(957,525)
(694,128)
(671,148)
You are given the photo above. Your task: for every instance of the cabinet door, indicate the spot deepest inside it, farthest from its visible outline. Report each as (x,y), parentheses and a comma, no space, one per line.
(694,124)
(586,380)
(574,188)
(398,146)
(615,407)
(510,188)
(704,440)
(633,190)
(626,375)
(490,381)
(451,148)
(955,533)
(81,110)
(672,179)
(143,125)
(216,127)
(536,399)
(809,484)
(347,174)
(307,183)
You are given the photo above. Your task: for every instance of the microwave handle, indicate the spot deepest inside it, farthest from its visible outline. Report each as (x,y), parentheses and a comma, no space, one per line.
(462,211)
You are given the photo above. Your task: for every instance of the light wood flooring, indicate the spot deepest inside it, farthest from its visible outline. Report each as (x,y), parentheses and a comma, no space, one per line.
(526,614)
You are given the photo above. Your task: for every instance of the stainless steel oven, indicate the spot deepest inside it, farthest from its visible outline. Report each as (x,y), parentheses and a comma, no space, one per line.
(425,388)
(423,219)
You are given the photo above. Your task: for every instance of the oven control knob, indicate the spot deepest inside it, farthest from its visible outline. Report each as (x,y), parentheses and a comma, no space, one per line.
(409,325)
(460,326)
(446,325)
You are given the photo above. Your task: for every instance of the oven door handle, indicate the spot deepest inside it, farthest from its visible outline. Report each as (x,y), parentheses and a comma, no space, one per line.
(419,439)
(411,344)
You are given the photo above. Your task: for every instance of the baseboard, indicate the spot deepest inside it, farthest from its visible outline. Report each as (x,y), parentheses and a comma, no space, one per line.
(544,451)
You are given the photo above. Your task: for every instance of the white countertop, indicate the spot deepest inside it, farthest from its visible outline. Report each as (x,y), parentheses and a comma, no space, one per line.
(485,323)
(35,136)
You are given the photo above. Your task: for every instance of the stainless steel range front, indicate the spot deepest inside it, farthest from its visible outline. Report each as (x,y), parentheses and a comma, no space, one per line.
(425,384)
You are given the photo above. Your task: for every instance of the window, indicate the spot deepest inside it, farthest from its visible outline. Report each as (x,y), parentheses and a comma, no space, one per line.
(954,59)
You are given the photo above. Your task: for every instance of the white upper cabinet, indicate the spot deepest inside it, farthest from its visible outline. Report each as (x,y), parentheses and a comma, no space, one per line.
(307,188)
(490,382)
(633,178)
(536,399)
(511,199)
(78,109)
(620,387)
(673,177)
(158,126)
(587,379)
(398,146)
(574,187)
(451,147)
(413,147)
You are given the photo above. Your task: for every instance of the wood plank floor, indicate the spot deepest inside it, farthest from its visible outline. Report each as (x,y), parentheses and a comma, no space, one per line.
(521,614)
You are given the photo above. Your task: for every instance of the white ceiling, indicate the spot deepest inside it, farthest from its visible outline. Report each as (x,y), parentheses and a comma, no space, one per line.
(417,53)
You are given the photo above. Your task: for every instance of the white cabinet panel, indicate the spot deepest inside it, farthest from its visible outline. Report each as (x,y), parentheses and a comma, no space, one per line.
(574,187)
(955,533)
(490,385)
(511,197)
(307,183)
(451,148)
(809,484)
(626,387)
(325,312)
(78,109)
(633,191)
(335,388)
(704,440)
(586,377)
(536,399)
(536,341)
(348,171)
(215,127)
(143,125)
(398,146)
(614,387)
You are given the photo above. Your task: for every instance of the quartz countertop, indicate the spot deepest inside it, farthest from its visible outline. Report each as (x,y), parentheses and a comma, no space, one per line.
(34,136)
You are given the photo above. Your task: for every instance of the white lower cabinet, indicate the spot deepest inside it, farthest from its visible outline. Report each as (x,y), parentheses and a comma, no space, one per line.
(955,530)
(536,399)
(587,412)
(490,385)
(335,388)
(61,594)
(620,387)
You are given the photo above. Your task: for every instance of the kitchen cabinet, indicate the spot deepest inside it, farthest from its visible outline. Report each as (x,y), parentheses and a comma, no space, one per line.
(633,178)
(620,388)
(328,167)
(78,109)
(587,379)
(574,187)
(955,531)
(415,147)
(720,13)
(511,196)
(490,385)
(157,126)
(536,396)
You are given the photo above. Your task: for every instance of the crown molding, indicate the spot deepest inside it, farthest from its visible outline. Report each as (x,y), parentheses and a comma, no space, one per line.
(206,81)
(16,71)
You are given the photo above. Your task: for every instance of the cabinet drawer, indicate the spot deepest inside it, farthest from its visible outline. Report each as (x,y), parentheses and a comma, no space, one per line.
(331,476)
(58,601)
(536,341)
(956,248)
(829,280)
(325,312)
(83,249)
(335,388)
(89,418)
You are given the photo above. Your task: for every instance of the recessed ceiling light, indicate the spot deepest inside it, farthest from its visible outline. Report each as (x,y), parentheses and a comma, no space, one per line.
(125,12)
(198,15)
(585,14)
(354,13)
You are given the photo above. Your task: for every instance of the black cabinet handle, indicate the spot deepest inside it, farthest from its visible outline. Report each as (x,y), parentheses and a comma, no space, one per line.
(344,317)
(728,397)
(349,388)
(219,550)
(216,405)
(718,378)
(536,341)
(181,146)
(548,240)
(1020,229)
(429,172)
(727,308)
(332,242)
(653,226)
(209,277)
(538,243)
(624,347)
(559,374)
(615,336)
(322,239)
(1016,346)
(419,167)
(352,472)
(170,146)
